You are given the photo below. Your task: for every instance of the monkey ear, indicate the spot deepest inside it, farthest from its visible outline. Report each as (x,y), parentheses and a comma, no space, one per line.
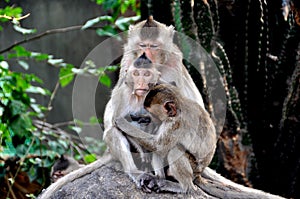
(171,30)
(131,27)
(170,108)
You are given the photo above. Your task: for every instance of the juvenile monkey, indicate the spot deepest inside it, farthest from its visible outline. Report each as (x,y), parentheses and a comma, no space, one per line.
(155,41)
(186,137)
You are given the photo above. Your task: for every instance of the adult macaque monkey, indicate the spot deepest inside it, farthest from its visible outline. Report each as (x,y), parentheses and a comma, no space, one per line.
(186,138)
(153,40)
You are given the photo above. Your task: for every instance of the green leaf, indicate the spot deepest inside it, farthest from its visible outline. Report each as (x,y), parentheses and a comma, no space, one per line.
(11,12)
(9,149)
(105,80)
(16,107)
(66,75)
(21,51)
(90,158)
(90,23)
(112,68)
(107,31)
(40,56)
(93,120)
(22,125)
(24,31)
(123,22)
(24,64)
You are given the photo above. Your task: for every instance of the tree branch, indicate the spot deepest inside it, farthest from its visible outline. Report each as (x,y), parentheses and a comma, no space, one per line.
(48,32)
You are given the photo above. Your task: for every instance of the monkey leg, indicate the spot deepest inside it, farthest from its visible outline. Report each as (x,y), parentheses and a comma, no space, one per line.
(120,148)
(181,169)
(158,166)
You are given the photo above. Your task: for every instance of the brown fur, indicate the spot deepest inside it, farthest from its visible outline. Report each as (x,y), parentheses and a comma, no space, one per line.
(187,140)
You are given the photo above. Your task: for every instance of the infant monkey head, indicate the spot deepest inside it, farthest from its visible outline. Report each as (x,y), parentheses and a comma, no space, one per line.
(162,101)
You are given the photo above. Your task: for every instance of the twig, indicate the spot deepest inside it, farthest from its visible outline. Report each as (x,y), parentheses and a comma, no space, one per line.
(14,18)
(48,32)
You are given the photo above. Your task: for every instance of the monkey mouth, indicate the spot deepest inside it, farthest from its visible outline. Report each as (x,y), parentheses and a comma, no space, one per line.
(141,92)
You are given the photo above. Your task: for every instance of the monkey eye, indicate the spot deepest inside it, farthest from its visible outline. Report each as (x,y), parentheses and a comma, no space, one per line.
(136,73)
(147,74)
(153,46)
(143,45)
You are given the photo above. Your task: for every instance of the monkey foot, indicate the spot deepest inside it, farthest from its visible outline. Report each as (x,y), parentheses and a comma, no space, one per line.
(149,183)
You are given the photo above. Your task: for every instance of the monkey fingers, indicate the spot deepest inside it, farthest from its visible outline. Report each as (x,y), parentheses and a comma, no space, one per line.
(131,130)
(148,182)
(140,119)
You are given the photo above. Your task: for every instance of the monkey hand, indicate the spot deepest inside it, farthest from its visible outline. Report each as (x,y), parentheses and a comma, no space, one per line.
(148,183)
(140,118)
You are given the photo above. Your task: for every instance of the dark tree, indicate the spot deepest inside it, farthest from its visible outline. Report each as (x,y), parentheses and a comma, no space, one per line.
(257,52)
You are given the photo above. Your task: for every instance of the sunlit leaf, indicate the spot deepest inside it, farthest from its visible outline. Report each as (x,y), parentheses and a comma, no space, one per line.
(112,68)
(76,129)
(92,22)
(24,31)
(4,64)
(55,61)
(38,90)
(24,64)
(123,22)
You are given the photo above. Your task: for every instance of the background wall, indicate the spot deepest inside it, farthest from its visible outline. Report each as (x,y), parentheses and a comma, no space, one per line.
(73,46)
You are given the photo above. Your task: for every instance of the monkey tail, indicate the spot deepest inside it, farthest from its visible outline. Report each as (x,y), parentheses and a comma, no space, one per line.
(215,185)
(46,194)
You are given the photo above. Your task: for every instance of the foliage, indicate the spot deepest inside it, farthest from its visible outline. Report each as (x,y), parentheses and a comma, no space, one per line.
(24,131)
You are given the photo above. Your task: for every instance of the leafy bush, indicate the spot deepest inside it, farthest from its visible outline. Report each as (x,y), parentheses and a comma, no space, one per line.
(30,145)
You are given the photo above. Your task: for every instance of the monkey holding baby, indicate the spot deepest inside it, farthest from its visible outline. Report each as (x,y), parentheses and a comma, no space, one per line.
(186,138)
(179,124)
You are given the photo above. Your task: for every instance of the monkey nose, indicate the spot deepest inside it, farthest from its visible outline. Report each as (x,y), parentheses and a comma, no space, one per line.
(143,62)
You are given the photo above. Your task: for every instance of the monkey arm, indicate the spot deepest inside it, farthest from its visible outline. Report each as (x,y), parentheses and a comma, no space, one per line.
(143,138)
(165,139)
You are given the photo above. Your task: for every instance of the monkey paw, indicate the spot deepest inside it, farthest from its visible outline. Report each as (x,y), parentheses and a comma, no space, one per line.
(148,183)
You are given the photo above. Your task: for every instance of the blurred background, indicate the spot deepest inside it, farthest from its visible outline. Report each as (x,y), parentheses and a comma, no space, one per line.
(254,44)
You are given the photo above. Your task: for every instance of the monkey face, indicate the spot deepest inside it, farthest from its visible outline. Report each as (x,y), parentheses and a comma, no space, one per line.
(152,49)
(141,80)
(158,111)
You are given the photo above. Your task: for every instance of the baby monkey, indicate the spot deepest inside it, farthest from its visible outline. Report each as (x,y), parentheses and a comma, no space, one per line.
(186,139)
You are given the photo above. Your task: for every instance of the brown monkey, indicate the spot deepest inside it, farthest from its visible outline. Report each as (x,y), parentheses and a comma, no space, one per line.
(63,166)
(154,41)
(186,137)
